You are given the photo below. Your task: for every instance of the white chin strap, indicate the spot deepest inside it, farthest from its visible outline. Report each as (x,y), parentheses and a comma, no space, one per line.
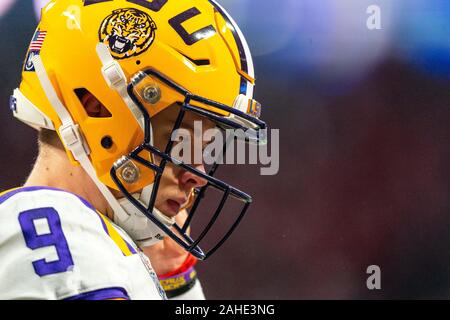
(141,228)
(126,215)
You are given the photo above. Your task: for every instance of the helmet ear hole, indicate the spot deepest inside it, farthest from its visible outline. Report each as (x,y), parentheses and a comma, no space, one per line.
(107,142)
(93,107)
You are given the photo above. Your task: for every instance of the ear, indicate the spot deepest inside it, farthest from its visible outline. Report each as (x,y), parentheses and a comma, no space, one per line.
(94,108)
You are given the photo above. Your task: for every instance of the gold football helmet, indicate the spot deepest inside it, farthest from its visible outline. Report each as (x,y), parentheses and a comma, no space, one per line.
(138,57)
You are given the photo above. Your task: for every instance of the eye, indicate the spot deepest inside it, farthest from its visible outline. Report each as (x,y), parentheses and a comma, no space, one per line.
(141,26)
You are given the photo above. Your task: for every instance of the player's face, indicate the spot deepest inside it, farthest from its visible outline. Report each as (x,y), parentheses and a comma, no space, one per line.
(177,184)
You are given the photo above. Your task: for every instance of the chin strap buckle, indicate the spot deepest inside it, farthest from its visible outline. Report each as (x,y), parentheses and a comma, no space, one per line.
(72,139)
(114,76)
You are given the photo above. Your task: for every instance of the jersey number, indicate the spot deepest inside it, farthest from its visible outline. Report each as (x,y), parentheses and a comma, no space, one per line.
(52,237)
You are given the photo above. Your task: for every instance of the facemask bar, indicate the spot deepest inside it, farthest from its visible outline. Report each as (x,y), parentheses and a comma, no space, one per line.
(200,193)
(183,239)
(257,125)
(180,236)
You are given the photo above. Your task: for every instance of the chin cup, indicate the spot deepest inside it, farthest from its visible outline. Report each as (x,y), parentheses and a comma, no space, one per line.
(144,232)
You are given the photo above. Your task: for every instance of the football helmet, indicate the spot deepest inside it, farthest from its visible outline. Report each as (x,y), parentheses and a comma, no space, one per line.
(139,57)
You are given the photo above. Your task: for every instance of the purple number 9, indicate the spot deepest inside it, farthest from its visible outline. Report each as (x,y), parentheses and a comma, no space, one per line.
(54,238)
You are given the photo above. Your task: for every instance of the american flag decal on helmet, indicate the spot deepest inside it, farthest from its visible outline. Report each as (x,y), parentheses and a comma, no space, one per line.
(38,40)
(35,49)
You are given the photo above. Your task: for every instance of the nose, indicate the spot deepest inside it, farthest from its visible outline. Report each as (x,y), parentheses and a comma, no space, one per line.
(190,180)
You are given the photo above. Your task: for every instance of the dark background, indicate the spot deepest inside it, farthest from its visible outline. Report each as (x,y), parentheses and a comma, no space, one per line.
(364,126)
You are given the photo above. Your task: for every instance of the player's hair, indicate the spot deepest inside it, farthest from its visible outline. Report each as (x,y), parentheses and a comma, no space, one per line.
(48,137)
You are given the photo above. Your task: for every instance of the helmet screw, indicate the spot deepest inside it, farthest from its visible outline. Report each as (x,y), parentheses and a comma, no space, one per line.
(151,94)
(107,142)
(130,172)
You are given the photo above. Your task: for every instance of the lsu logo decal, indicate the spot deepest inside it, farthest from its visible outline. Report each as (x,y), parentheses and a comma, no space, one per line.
(127,32)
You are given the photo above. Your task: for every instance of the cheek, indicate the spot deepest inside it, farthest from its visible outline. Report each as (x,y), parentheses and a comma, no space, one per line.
(169,177)
(160,140)
(168,184)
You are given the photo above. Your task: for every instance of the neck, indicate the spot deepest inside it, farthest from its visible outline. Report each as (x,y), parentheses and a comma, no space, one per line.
(54,169)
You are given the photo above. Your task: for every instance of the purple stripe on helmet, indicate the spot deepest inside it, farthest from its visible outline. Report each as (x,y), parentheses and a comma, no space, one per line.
(102,294)
(240,45)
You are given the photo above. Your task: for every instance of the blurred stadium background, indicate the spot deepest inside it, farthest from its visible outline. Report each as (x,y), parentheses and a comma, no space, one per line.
(365,149)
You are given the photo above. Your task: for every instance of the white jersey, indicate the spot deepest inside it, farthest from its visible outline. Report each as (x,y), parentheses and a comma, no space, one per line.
(55,245)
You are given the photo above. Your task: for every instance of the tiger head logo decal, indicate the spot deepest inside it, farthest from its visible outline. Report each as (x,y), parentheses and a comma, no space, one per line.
(127,32)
